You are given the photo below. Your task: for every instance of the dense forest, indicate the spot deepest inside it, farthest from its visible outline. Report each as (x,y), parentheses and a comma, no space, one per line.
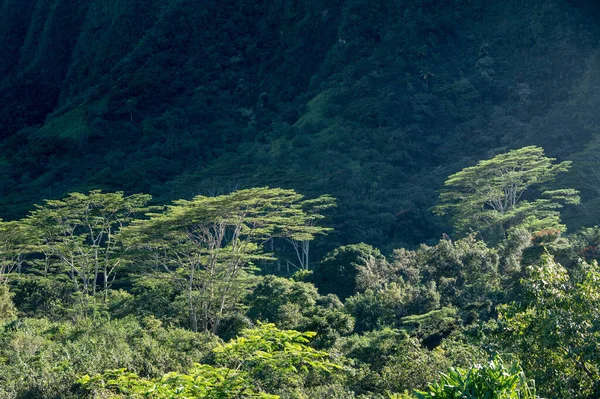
(299,199)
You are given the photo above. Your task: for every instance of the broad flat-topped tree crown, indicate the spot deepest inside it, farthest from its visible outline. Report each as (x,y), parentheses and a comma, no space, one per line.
(209,245)
(491,196)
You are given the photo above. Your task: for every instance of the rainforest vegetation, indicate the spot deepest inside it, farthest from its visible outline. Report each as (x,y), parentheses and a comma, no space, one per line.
(337,199)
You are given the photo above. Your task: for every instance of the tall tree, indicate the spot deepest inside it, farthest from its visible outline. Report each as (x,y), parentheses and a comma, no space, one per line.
(209,245)
(507,191)
(81,234)
(302,246)
(13,245)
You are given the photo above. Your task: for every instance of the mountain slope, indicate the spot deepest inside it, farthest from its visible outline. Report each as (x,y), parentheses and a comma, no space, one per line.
(372,102)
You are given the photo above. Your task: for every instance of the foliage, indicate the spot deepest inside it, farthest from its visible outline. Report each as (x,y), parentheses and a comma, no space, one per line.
(494,380)
(276,358)
(202,382)
(463,273)
(374,309)
(14,243)
(297,305)
(8,312)
(373,102)
(553,328)
(403,322)
(432,326)
(351,268)
(80,235)
(211,245)
(261,359)
(389,360)
(46,357)
(493,197)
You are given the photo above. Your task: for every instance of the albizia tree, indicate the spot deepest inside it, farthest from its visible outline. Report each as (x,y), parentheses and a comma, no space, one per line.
(507,191)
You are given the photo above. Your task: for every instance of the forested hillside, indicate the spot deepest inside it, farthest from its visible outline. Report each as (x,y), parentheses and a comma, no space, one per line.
(372,102)
(299,199)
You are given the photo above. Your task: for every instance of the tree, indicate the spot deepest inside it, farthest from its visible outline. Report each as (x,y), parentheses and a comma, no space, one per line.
(13,246)
(464,272)
(302,247)
(351,268)
(297,305)
(553,328)
(209,245)
(201,382)
(504,192)
(82,234)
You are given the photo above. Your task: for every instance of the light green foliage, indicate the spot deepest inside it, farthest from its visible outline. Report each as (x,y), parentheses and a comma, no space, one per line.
(553,328)
(260,360)
(493,380)
(210,245)
(495,195)
(276,358)
(404,395)
(301,243)
(43,359)
(196,264)
(201,382)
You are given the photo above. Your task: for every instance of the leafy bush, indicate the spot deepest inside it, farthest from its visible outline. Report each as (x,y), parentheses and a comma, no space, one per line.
(494,380)
(263,359)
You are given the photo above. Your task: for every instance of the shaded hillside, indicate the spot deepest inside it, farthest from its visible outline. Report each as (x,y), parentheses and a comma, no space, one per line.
(372,102)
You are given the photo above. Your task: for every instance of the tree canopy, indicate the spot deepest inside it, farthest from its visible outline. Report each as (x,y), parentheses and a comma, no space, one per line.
(507,191)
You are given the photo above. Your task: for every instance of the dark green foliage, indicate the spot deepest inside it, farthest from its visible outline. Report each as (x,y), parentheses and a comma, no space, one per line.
(40,296)
(464,273)
(373,309)
(349,269)
(297,305)
(397,362)
(154,295)
(375,103)
(434,326)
